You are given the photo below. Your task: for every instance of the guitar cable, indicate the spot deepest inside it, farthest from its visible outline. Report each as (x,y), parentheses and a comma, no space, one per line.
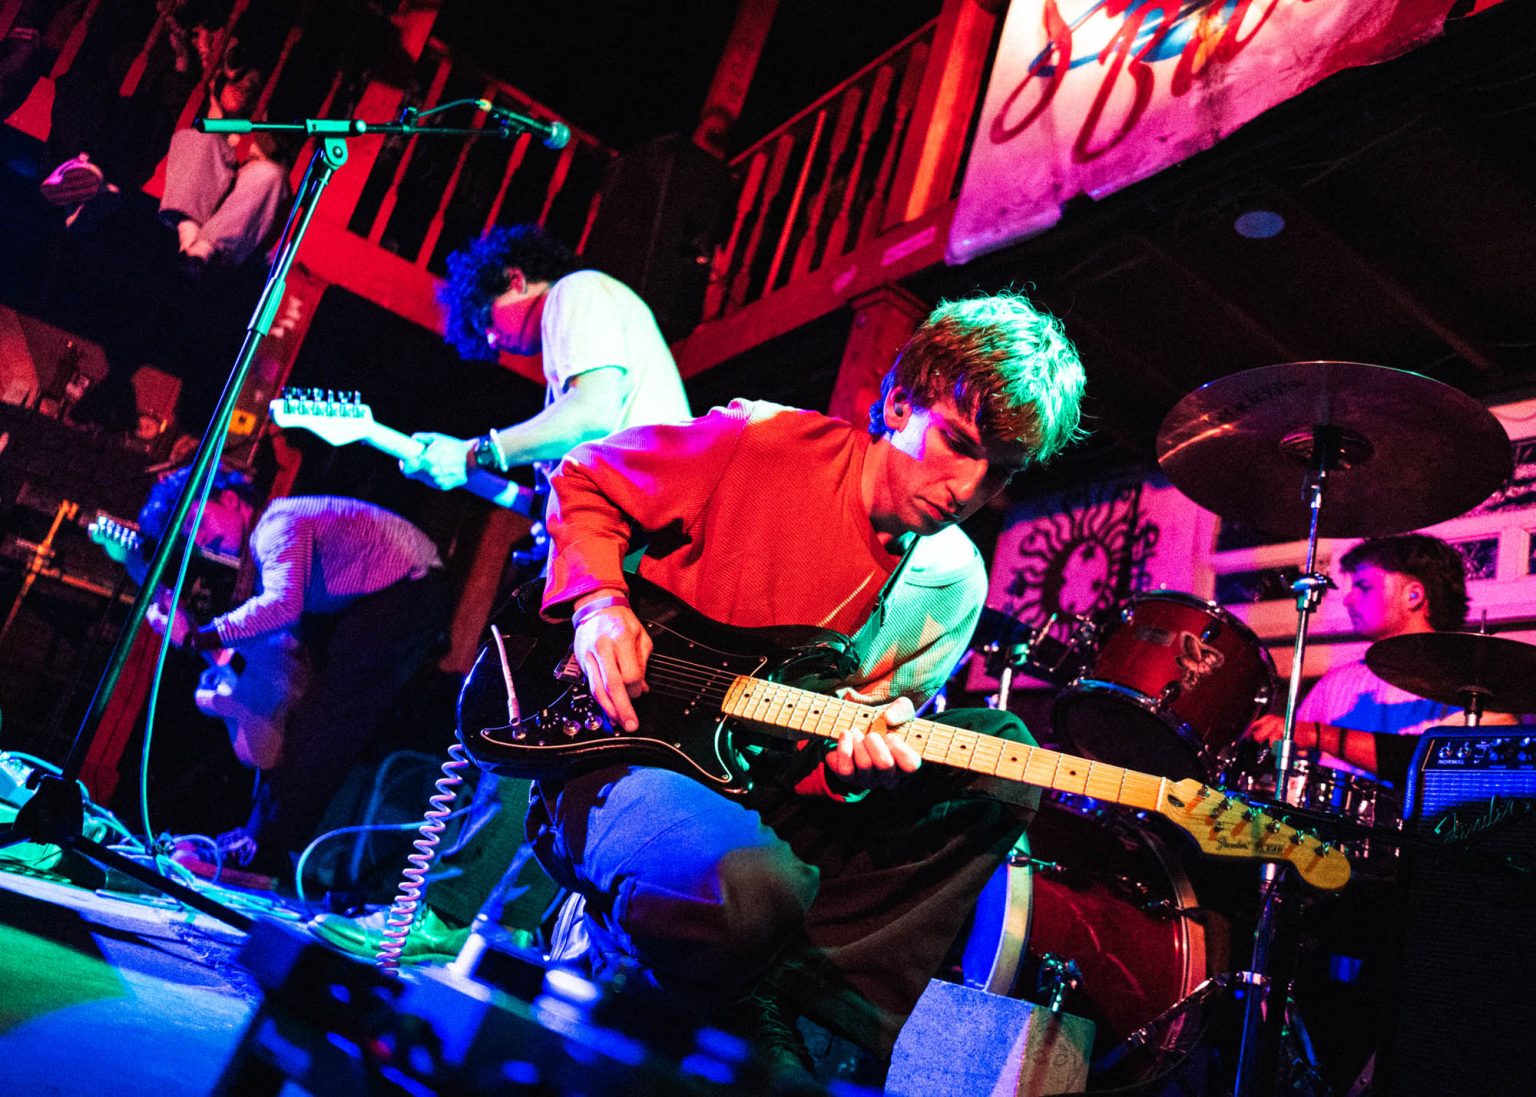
(402,913)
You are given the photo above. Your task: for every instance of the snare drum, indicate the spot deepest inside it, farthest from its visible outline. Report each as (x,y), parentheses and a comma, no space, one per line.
(1174,682)
(1350,796)
(1104,892)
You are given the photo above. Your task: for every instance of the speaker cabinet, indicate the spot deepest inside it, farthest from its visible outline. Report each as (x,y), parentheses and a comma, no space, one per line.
(1463,1006)
(664,210)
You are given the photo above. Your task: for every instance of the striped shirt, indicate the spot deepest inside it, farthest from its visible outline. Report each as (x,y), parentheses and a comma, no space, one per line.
(318,554)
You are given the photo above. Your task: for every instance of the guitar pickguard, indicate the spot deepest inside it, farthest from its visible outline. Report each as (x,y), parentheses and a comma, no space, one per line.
(561,729)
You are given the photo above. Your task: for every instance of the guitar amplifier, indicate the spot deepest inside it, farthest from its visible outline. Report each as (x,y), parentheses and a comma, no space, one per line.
(1462,1009)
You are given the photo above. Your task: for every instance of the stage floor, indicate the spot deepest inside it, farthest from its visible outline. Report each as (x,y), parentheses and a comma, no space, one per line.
(109,996)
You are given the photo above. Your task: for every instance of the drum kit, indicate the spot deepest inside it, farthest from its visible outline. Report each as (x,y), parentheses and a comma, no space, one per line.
(1169,682)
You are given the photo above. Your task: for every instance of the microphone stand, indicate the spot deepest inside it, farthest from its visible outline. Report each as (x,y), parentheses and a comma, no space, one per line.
(55,813)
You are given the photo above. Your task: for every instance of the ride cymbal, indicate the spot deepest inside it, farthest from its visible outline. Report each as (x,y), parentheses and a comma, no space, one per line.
(1454,667)
(1404,451)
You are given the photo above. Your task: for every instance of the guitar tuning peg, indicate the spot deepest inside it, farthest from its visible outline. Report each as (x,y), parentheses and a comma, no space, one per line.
(1250,814)
(1273,826)
(1324,849)
(1300,837)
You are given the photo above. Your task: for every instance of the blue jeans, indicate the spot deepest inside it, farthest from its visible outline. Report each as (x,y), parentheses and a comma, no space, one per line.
(847,910)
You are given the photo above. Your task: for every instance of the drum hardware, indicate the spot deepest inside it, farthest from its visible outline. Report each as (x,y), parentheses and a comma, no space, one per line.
(1036,654)
(1036,864)
(1345,431)
(1058,977)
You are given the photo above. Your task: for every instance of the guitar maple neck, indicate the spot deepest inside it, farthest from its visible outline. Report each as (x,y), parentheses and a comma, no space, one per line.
(776,705)
(391,441)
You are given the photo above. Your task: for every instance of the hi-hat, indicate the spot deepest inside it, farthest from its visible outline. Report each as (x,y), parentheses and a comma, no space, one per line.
(1465,669)
(1405,451)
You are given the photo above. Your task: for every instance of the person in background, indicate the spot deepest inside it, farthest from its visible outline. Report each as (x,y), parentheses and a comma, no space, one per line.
(363,590)
(1398,586)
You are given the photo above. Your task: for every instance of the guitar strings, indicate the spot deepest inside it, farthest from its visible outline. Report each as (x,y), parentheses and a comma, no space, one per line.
(680,678)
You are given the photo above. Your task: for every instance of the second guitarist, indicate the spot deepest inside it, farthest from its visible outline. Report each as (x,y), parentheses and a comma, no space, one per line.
(363,589)
(606,367)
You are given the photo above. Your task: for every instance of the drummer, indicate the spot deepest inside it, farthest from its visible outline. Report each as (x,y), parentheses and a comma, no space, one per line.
(1352,718)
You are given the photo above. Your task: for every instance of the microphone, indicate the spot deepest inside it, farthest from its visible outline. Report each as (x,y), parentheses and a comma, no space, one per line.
(554,135)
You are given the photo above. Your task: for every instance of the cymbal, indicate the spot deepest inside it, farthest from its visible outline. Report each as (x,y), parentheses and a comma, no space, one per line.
(1409,451)
(1450,667)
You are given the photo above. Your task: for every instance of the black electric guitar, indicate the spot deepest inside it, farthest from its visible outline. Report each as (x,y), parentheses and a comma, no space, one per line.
(342,418)
(525,711)
(251,690)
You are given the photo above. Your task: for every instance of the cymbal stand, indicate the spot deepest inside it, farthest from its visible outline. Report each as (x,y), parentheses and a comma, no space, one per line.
(1326,449)
(1015,655)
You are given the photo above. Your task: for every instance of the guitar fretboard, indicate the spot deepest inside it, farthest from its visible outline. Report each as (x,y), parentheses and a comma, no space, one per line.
(776,705)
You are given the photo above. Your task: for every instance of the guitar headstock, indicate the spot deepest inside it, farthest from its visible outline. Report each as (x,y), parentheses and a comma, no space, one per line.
(118,539)
(1225,826)
(338,417)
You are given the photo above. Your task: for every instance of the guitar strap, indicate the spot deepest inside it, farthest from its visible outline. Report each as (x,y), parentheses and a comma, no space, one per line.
(860,641)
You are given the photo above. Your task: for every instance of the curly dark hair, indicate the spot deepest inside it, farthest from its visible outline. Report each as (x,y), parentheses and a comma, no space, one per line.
(477,275)
(155,514)
(1439,566)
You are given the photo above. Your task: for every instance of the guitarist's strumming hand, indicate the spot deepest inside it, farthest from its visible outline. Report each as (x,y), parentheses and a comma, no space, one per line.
(443,462)
(612,649)
(159,619)
(877,757)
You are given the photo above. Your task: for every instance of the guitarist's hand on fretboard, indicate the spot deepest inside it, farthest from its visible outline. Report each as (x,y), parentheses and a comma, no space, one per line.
(877,756)
(178,621)
(443,461)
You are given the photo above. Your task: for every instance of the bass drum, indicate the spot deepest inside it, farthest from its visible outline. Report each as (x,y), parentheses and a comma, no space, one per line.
(1103,891)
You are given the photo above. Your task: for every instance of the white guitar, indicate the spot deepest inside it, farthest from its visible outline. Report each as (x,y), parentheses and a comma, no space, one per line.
(341,418)
(251,690)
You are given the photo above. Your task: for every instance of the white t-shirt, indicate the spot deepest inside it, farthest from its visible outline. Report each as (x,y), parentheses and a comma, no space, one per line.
(592,321)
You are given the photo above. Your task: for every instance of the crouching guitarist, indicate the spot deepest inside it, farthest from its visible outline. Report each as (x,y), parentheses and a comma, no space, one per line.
(834,886)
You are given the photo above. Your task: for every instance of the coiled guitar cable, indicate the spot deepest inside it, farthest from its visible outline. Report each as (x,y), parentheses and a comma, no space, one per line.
(402,913)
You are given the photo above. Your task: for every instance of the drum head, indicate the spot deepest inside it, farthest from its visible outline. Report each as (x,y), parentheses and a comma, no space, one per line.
(1105,724)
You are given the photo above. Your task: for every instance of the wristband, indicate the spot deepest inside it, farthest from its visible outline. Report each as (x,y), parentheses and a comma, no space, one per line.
(587,609)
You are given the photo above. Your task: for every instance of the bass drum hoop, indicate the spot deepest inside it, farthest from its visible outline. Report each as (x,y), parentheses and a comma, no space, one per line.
(1013,885)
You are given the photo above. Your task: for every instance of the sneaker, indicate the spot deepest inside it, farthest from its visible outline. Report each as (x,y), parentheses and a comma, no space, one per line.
(431,940)
(73,183)
(763,1021)
(88,215)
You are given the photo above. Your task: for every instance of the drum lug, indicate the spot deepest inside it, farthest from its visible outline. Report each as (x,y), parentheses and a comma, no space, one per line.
(1044,868)
(1169,694)
(1058,977)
